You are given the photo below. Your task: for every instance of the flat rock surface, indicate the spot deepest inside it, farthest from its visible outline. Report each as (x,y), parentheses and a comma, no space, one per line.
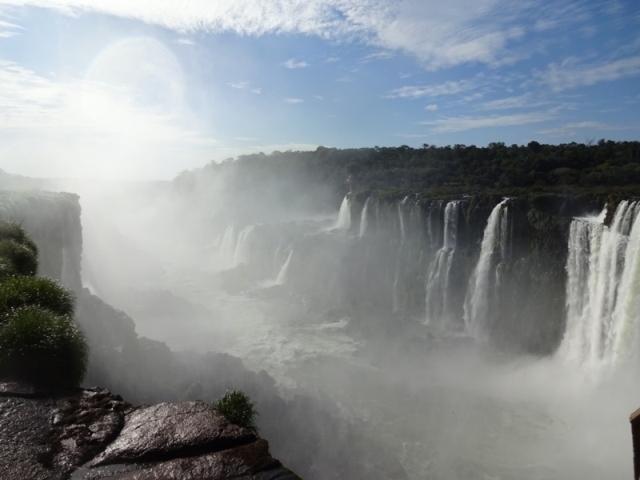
(172,429)
(92,434)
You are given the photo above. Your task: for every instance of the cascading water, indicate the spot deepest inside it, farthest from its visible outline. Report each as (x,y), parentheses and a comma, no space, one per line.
(401,205)
(603,280)
(437,291)
(344,216)
(241,254)
(283,276)
(476,305)
(364,218)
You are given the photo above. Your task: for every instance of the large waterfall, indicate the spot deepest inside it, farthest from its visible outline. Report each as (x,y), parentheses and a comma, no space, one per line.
(438,307)
(477,302)
(603,287)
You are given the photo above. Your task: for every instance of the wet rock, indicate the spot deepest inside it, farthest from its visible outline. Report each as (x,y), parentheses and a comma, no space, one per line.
(92,434)
(49,436)
(172,429)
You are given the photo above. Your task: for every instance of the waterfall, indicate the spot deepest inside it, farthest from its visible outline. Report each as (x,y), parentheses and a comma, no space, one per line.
(283,276)
(241,253)
(437,304)
(602,293)
(228,245)
(344,217)
(363,218)
(403,232)
(476,305)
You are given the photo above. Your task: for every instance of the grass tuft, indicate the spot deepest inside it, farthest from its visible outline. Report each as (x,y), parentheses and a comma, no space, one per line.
(13,231)
(238,409)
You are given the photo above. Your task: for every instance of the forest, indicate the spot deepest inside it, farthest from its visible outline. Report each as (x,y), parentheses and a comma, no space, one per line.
(571,168)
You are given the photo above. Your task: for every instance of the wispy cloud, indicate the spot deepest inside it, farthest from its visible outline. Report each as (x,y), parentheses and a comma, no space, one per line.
(89,129)
(8,29)
(521,101)
(570,129)
(572,74)
(432,107)
(385,55)
(185,41)
(464,123)
(440,34)
(292,63)
(293,100)
(447,88)
(239,85)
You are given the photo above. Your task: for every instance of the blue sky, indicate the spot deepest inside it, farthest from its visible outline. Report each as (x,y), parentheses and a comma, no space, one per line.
(145,89)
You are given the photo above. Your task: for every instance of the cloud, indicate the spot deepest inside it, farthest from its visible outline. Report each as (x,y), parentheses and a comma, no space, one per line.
(432,108)
(439,34)
(572,74)
(239,85)
(378,56)
(293,100)
(569,129)
(8,29)
(74,127)
(184,41)
(520,101)
(464,123)
(447,88)
(256,90)
(291,63)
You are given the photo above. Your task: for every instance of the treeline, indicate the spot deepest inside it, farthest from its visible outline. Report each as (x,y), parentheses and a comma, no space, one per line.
(567,168)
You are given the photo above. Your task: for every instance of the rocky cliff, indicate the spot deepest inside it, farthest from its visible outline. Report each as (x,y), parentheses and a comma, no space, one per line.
(92,434)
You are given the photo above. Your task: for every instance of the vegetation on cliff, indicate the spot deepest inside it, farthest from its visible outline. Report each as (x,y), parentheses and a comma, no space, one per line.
(39,341)
(567,168)
(238,409)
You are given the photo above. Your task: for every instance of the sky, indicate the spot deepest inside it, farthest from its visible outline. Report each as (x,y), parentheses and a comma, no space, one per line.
(144,89)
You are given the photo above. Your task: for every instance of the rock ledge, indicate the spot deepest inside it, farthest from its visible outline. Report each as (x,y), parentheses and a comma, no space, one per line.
(92,434)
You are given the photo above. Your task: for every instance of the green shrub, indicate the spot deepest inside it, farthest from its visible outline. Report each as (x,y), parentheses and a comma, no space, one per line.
(13,231)
(238,409)
(42,348)
(22,260)
(41,292)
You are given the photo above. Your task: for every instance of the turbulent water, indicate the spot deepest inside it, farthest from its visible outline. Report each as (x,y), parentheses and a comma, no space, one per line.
(285,297)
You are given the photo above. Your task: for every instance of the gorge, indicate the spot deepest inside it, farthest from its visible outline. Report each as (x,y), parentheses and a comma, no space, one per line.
(464,332)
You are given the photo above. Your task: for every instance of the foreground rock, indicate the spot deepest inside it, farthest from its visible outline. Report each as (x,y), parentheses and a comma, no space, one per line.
(92,434)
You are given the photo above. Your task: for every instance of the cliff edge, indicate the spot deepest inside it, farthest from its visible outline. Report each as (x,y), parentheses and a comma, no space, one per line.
(90,434)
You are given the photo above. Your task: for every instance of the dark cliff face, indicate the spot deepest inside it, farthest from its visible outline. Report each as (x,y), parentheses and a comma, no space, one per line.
(52,220)
(92,434)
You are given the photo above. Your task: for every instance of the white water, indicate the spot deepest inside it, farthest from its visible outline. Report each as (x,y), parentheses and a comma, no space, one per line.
(602,293)
(228,246)
(364,218)
(476,307)
(437,305)
(344,216)
(403,232)
(283,276)
(241,254)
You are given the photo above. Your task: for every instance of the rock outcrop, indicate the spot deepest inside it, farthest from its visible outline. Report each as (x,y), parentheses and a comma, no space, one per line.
(90,434)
